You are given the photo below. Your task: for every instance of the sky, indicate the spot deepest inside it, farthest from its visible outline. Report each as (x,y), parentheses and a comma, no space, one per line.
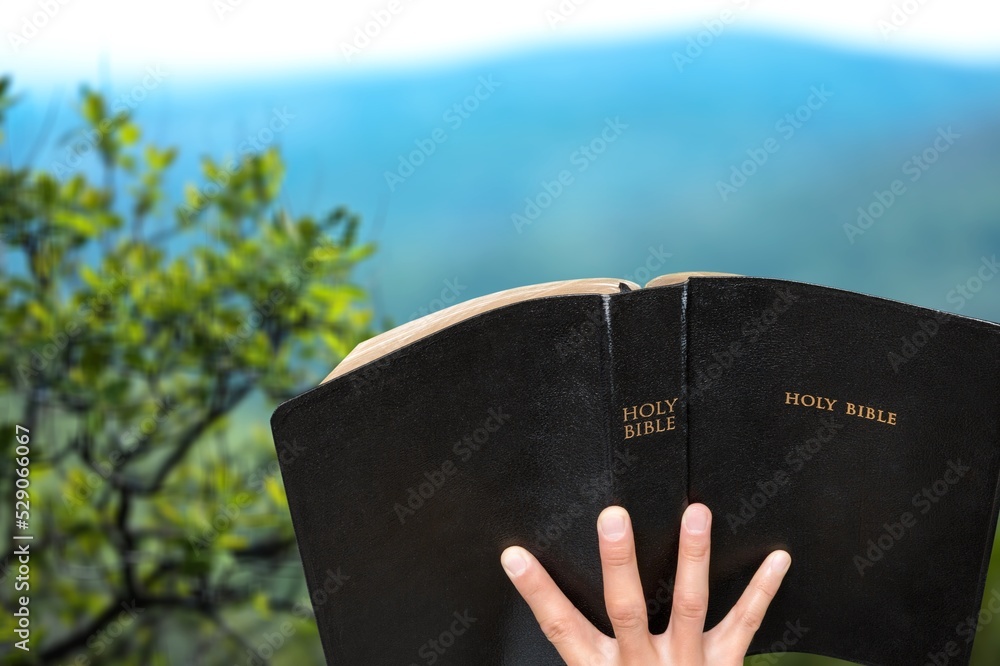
(70,39)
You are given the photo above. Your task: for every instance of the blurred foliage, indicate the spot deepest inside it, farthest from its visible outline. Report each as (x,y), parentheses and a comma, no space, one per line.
(138,337)
(142,344)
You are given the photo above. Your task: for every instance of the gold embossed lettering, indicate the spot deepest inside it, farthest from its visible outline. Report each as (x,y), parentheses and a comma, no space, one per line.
(867,412)
(870,413)
(648,418)
(808,400)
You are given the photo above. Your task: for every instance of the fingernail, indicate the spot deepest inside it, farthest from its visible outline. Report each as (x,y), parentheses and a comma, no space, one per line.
(513,563)
(696,519)
(780,562)
(613,525)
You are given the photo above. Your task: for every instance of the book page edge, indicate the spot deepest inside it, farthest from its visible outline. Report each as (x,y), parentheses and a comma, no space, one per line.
(404,334)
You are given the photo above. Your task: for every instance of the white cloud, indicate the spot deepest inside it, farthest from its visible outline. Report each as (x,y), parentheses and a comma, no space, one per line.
(69,38)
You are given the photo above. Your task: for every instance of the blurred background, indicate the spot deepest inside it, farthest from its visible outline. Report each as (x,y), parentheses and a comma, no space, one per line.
(205,204)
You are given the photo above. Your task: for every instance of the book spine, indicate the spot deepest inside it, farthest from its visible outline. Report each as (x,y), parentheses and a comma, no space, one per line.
(647,453)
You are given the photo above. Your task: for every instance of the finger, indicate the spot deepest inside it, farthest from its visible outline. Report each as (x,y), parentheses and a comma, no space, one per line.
(690,602)
(566,628)
(623,594)
(743,621)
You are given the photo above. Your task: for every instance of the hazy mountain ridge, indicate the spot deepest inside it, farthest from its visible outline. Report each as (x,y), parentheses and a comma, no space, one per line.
(658,183)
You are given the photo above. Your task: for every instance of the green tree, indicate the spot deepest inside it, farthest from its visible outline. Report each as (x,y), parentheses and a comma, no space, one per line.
(144,343)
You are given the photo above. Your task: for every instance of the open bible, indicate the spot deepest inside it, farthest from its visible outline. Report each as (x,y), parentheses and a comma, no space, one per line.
(860,434)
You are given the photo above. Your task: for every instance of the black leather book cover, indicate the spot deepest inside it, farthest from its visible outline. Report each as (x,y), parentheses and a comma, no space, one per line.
(860,434)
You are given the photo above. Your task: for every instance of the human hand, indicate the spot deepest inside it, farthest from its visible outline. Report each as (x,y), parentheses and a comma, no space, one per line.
(685,642)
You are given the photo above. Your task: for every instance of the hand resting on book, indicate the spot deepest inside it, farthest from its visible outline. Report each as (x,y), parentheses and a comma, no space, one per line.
(685,642)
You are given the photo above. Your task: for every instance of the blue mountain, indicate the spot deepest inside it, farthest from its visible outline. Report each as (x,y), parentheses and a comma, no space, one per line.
(748,153)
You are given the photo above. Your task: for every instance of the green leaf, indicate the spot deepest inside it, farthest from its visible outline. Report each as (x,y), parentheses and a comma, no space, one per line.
(129,133)
(73,221)
(120,320)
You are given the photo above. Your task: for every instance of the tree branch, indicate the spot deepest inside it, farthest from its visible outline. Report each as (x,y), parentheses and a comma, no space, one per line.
(187,440)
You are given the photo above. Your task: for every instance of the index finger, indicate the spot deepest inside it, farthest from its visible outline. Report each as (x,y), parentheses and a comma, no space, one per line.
(575,638)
